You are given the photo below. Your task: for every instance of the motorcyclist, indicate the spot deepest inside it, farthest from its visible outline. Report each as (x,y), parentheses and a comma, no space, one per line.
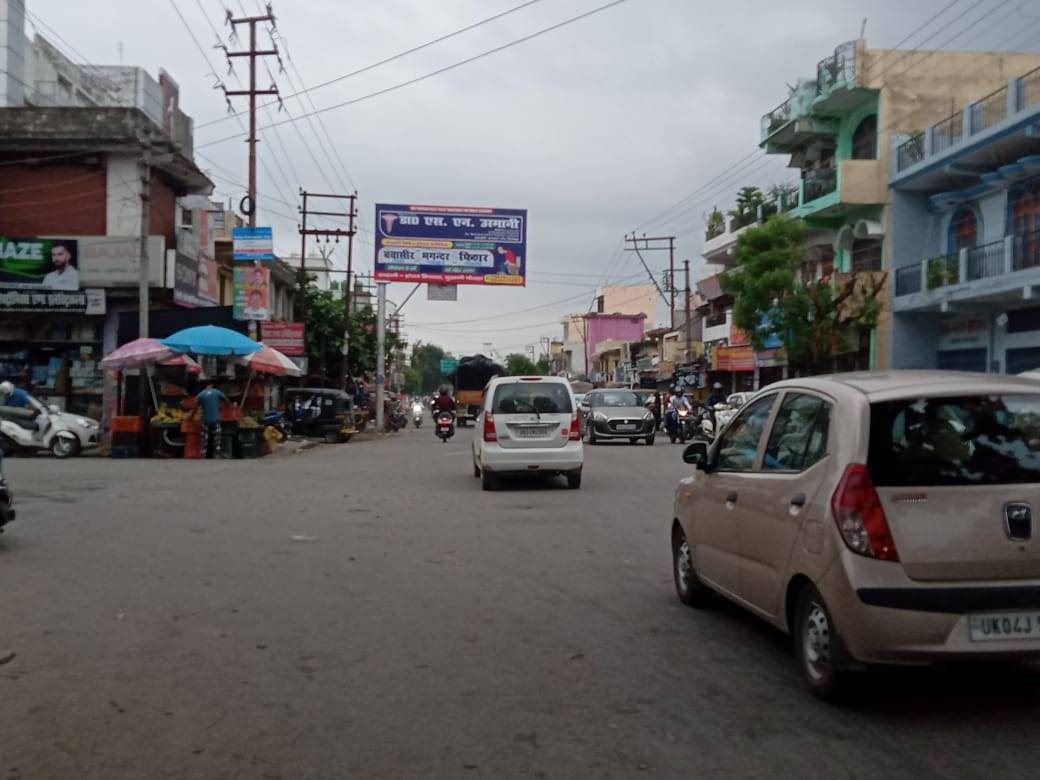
(675,403)
(443,403)
(716,396)
(14,396)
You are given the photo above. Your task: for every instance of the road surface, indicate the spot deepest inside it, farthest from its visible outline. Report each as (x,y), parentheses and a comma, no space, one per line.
(364,610)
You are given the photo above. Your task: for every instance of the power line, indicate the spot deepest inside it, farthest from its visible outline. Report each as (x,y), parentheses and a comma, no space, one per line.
(439,71)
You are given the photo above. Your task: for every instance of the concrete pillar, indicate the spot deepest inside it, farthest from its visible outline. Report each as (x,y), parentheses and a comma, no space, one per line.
(966,121)
(1009,253)
(962,266)
(924,275)
(1014,90)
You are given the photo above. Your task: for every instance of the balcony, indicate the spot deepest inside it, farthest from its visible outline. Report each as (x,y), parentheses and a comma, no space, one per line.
(997,271)
(988,121)
(719,242)
(836,81)
(717,326)
(817,183)
(832,191)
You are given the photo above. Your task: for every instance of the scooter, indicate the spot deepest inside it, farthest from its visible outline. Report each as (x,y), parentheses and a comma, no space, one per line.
(417,414)
(445,426)
(6,499)
(395,420)
(22,430)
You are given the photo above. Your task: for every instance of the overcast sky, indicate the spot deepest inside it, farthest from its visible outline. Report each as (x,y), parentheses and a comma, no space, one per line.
(595,128)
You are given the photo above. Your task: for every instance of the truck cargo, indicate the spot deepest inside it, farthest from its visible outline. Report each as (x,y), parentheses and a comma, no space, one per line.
(468,381)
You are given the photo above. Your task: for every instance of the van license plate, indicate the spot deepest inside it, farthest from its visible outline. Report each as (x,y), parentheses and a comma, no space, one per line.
(1004,625)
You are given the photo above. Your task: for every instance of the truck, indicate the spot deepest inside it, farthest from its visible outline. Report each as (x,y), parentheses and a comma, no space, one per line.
(468,381)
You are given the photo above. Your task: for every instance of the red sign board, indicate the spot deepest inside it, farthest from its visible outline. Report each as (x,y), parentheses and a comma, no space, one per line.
(286,337)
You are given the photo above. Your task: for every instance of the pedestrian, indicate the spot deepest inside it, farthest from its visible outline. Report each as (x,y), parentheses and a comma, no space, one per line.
(656,409)
(208,401)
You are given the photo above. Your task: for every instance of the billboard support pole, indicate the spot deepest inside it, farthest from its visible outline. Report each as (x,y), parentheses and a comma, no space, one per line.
(380,352)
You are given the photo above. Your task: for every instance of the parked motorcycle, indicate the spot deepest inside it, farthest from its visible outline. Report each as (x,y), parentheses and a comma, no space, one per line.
(395,420)
(445,426)
(35,430)
(6,499)
(276,420)
(417,414)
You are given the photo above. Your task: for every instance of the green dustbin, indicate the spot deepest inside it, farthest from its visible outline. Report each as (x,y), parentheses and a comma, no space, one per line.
(249,442)
(229,441)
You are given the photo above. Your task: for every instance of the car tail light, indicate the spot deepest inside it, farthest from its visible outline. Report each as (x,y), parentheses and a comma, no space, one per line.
(575,433)
(860,517)
(489,428)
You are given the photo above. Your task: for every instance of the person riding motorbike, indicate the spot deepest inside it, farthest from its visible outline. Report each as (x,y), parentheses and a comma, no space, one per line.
(443,403)
(14,396)
(675,403)
(716,396)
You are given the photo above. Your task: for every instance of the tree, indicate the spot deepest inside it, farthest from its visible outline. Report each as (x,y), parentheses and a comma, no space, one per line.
(813,320)
(426,359)
(715,222)
(748,201)
(520,365)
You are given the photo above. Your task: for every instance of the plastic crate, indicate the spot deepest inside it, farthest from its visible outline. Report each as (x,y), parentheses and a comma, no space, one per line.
(126,424)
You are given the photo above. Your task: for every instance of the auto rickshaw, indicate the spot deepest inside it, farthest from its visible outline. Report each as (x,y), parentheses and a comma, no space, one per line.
(320,412)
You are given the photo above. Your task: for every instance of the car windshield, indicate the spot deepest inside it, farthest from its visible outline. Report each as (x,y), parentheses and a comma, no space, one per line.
(968,440)
(532,397)
(616,398)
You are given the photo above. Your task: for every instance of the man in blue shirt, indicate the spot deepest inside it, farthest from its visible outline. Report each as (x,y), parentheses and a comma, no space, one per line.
(209,402)
(13,396)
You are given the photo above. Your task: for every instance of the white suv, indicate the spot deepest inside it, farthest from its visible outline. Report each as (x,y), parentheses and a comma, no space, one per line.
(527,425)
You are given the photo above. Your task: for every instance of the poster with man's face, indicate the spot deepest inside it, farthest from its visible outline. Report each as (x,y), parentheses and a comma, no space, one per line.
(48,263)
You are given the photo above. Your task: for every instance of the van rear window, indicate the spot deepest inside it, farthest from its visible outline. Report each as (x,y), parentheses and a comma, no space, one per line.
(966,440)
(532,398)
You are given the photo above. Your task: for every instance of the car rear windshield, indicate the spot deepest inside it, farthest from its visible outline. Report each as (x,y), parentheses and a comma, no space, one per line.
(967,440)
(616,398)
(532,397)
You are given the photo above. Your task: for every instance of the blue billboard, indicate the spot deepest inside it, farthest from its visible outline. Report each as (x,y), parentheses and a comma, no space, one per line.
(450,244)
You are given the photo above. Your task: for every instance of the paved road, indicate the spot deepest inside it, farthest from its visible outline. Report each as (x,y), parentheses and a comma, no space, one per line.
(364,610)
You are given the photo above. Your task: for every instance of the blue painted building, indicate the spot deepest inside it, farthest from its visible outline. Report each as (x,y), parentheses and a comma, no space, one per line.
(965,232)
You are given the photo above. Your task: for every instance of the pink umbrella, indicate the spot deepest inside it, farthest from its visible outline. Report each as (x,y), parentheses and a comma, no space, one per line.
(270,361)
(183,360)
(138,353)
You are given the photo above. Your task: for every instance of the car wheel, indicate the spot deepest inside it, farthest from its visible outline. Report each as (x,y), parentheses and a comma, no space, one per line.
(332,437)
(818,646)
(574,480)
(63,447)
(487,480)
(690,590)
(649,441)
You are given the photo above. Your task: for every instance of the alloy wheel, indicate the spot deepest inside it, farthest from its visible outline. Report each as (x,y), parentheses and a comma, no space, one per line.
(817,642)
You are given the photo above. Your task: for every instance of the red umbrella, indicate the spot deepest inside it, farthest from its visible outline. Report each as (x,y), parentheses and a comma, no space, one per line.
(270,361)
(183,360)
(140,352)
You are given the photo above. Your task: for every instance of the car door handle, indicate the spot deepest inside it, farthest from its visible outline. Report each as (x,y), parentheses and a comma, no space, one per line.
(798,500)
(732,497)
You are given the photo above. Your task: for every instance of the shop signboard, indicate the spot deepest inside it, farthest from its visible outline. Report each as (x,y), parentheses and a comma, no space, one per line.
(252,243)
(450,244)
(252,292)
(115,261)
(39,263)
(286,337)
(195,283)
(52,301)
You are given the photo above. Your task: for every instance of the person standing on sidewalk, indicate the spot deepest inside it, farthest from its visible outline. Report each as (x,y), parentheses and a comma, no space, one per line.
(209,402)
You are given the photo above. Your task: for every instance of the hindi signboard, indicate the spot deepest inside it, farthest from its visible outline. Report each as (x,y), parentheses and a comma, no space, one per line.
(52,301)
(450,244)
(252,243)
(286,337)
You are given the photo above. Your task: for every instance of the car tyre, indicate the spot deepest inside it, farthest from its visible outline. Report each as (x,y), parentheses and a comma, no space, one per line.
(332,437)
(690,590)
(592,436)
(821,654)
(487,480)
(649,441)
(574,480)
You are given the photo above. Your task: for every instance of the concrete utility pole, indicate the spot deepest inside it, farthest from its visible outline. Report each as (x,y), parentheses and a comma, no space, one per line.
(380,352)
(144,276)
(252,53)
(655,244)
(689,329)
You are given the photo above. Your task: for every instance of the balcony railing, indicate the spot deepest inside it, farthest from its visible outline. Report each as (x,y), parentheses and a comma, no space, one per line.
(990,110)
(714,231)
(910,152)
(986,260)
(777,118)
(819,182)
(1029,89)
(839,68)
(948,132)
(943,271)
(908,280)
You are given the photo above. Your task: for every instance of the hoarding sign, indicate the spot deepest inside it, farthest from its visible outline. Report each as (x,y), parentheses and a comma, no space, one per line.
(195,283)
(450,244)
(252,243)
(286,337)
(252,288)
(40,263)
(442,292)
(52,301)
(106,261)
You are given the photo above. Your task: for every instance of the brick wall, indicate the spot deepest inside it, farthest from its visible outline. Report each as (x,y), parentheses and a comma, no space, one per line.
(162,218)
(56,199)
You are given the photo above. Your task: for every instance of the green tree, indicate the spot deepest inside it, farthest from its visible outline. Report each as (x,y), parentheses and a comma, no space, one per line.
(412,380)
(520,365)
(748,201)
(426,358)
(814,320)
(324,336)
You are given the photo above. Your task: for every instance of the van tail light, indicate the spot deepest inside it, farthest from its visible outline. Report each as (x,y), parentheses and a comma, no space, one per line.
(489,428)
(575,434)
(860,517)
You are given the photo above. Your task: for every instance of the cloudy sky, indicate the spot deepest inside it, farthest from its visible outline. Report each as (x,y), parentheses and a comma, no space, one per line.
(596,128)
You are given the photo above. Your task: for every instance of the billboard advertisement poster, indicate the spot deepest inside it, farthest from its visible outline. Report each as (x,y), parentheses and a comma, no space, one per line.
(252,243)
(196,282)
(111,261)
(450,244)
(252,292)
(286,337)
(40,263)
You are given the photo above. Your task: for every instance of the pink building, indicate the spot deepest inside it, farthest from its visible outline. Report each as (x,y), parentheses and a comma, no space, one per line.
(610,327)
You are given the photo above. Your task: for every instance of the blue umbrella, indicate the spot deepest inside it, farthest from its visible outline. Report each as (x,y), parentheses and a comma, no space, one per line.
(211,340)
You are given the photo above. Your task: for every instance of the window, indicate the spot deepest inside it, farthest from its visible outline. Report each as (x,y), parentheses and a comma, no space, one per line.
(964,228)
(615,398)
(866,255)
(864,139)
(799,436)
(967,440)
(532,398)
(186,218)
(739,444)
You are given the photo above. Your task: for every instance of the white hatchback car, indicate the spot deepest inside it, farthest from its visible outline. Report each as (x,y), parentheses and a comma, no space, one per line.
(527,425)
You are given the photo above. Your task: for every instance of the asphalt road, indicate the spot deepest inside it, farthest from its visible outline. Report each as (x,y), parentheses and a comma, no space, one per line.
(364,610)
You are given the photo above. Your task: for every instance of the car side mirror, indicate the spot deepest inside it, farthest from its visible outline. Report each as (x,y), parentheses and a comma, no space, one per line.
(696,454)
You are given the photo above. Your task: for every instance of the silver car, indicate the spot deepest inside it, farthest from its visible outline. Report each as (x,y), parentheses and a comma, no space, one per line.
(616,414)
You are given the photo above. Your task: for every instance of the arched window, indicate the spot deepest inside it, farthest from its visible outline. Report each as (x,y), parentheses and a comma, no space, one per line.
(866,255)
(1025,225)
(864,139)
(964,230)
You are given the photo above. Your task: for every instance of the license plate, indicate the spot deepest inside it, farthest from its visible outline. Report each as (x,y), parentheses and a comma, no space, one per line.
(626,428)
(530,433)
(1004,625)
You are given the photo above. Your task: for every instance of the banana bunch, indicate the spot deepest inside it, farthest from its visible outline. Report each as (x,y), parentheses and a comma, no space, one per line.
(248,422)
(167,414)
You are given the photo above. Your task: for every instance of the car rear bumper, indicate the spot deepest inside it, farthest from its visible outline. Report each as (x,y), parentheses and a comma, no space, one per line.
(906,622)
(532,460)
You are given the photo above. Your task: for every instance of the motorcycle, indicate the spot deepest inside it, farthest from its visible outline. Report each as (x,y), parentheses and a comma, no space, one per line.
(35,430)
(679,425)
(6,499)
(395,420)
(417,414)
(276,420)
(445,426)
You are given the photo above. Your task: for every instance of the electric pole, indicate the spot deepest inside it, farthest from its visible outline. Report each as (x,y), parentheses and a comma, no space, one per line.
(688,325)
(656,244)
(252,92)
(144,275)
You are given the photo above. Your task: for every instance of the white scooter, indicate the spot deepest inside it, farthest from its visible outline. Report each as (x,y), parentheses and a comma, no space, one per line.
(418,413)
(38,428)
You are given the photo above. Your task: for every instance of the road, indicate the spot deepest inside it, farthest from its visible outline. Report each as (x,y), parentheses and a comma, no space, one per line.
(364,610)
